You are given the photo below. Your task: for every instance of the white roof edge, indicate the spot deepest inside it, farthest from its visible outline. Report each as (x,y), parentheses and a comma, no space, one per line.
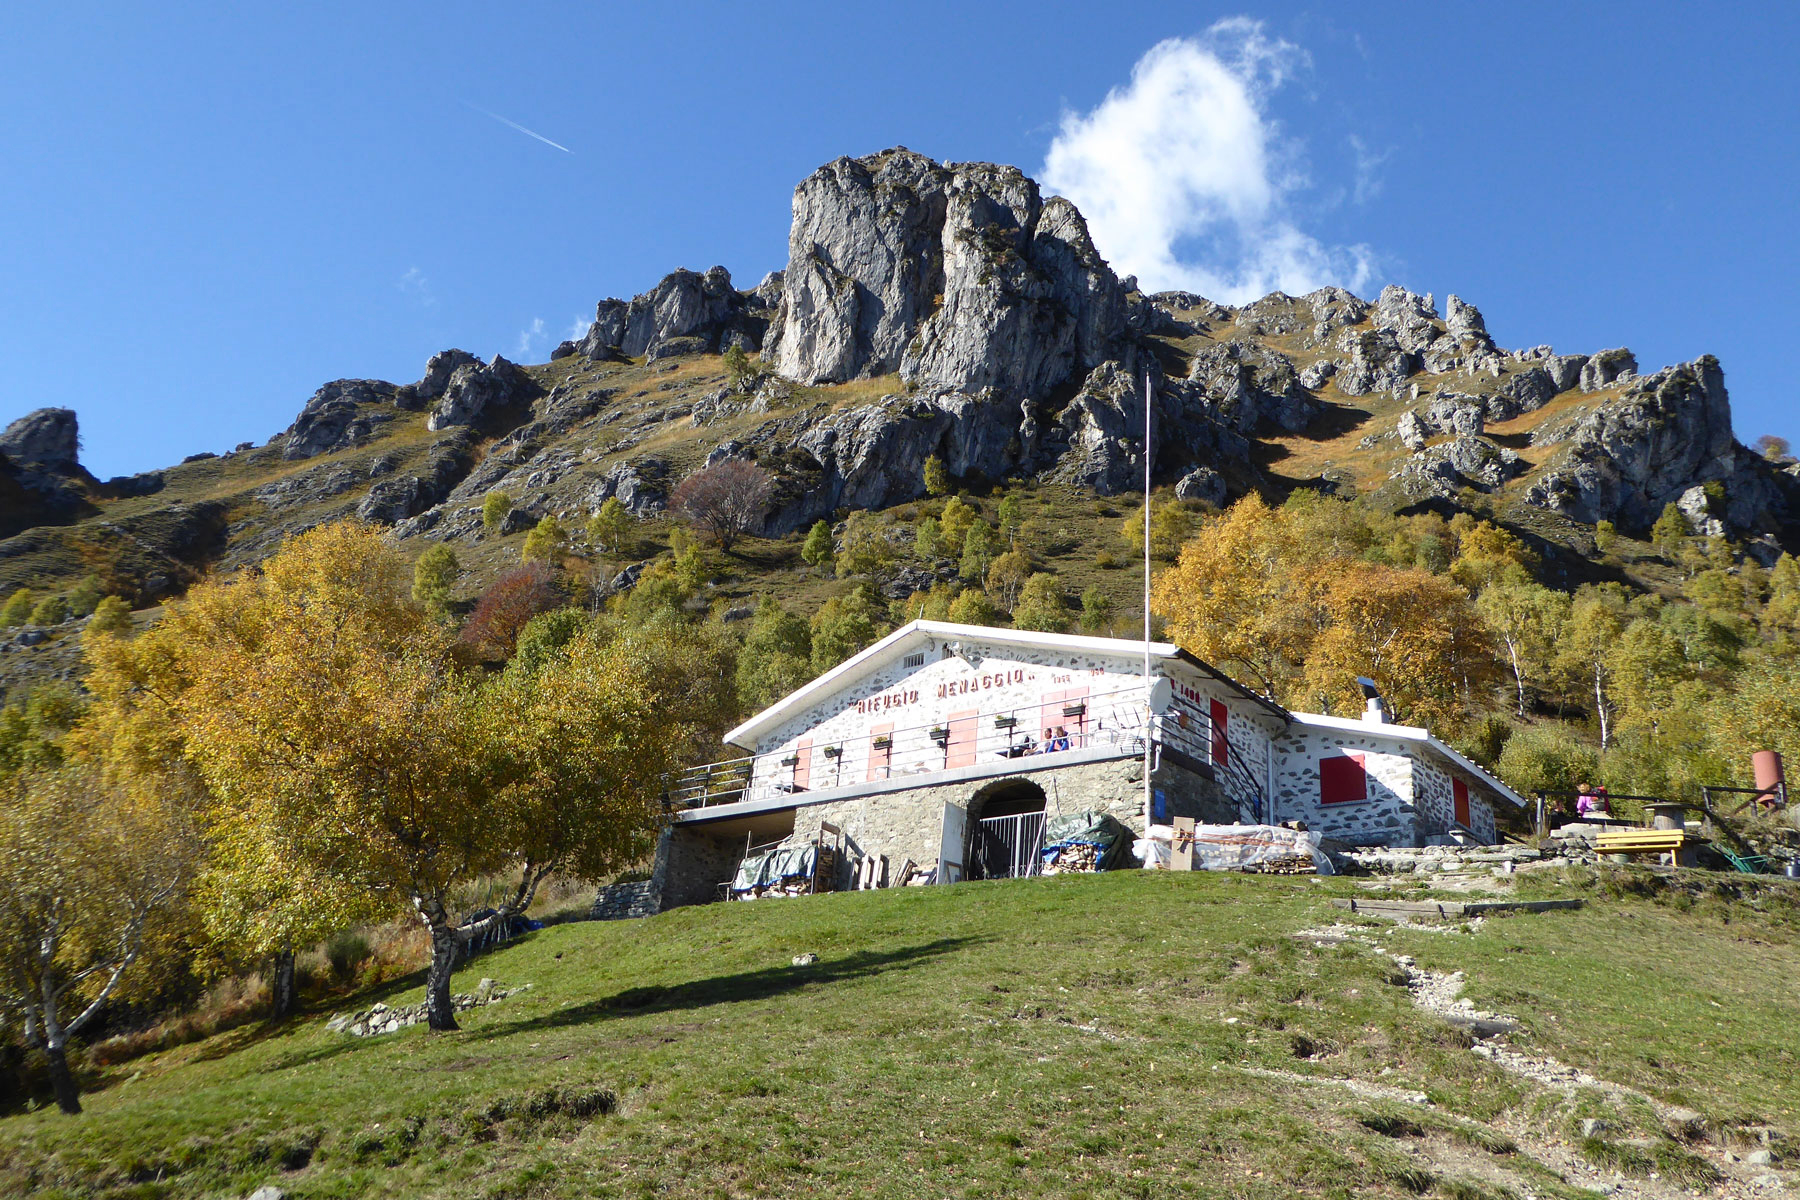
(1410,733)
(804,695)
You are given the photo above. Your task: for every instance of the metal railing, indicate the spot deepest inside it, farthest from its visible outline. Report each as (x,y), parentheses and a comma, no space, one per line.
(1113,719)
(1105,719)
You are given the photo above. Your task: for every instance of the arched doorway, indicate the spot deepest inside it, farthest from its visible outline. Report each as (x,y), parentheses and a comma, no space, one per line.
(1006,830)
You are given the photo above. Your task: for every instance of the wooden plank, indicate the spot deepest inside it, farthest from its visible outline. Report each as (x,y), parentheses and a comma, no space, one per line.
(1181,857)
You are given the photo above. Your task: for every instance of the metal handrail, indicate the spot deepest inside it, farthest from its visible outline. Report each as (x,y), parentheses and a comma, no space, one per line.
(733,780)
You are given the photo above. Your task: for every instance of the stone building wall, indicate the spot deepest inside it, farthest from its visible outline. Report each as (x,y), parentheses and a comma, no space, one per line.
(909,823)
(1389,816)
(1434,788)
(691,864)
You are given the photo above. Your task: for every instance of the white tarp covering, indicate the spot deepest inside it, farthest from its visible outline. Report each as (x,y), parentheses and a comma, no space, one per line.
(1230,847)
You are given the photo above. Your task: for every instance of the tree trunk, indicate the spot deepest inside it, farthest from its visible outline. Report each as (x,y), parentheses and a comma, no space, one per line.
(440,1013)
(281,992)
(67,1097)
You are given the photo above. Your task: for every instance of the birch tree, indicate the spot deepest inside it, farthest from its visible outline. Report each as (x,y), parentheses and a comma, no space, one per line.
(85,869)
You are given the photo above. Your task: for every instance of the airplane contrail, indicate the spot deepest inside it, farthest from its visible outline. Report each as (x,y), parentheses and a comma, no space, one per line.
(514,124)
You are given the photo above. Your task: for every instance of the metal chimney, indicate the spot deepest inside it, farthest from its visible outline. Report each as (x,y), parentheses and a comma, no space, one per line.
(1374,712)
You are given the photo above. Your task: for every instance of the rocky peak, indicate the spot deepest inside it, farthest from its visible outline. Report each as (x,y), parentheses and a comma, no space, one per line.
(688,312)
(49,437)
(958,276)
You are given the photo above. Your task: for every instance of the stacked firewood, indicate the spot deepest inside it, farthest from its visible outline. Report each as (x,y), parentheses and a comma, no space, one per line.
(1073,859)
(1296,864)
(786,887)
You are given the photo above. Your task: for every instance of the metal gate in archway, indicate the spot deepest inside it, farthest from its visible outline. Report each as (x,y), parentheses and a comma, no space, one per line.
(1008,847)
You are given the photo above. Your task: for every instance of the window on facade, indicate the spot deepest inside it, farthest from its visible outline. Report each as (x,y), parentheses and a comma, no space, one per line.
(1459,803)
(1343,779)
(1221,747)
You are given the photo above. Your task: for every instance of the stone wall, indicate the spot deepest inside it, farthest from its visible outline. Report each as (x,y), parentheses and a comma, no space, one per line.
(1390,815)
(1434,789)
(626,901)
(691,864)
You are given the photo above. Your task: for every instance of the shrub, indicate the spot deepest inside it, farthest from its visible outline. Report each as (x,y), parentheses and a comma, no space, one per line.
(494,509)
(937,477)
(112,616)
(610,528)
(51,610)
(546,542)
(817,549)
(17,609)
(434,575)
(85,595)
(726,500)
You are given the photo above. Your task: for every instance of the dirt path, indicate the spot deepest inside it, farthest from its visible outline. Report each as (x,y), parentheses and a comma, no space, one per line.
(1440,994)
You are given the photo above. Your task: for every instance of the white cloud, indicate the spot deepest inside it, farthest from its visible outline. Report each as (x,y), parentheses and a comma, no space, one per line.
(1368,170)
(529,339)
(414,283)
(1185,179)
(579,327)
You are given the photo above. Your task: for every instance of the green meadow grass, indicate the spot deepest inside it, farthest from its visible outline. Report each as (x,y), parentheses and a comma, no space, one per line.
(1134,1034)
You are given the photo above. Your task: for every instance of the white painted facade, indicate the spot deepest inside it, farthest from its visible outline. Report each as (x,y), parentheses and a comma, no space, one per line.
(936,702)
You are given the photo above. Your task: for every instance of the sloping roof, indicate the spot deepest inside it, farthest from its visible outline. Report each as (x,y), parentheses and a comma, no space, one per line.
(906,638)
(1408,733)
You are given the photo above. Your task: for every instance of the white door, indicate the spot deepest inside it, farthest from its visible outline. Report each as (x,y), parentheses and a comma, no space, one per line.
(956,836)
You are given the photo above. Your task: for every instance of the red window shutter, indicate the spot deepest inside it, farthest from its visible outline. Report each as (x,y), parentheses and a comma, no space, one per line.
(880,757)
(1221,746)
(1459,802)
(960,749)
(803,768)
(1343,779)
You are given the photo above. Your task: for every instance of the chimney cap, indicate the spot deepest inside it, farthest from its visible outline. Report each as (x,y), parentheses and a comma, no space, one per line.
(1369,690)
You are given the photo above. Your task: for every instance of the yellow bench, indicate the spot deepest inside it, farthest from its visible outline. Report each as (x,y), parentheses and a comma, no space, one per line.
(1676,842)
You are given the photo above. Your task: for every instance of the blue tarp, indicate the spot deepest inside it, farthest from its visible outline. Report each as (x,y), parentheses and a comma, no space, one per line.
(776,866)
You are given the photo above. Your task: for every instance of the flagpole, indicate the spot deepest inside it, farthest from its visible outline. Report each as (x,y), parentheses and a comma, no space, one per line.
(1149,709)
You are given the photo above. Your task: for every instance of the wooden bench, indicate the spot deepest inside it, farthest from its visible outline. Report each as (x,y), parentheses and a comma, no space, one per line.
(1677,843)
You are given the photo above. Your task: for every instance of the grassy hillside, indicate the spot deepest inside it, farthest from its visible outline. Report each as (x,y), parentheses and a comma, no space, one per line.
(1138,1034)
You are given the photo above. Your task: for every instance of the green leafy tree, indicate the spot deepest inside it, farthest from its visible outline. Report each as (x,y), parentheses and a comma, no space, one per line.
(85,595)
(610,528)
(818,547)
(51,610)
(1171,525)
(545,638)
(1529,620)
(1006,577)
(1782,610)
(864,548)
(737,364)
(494,509)
(1041,606)
(1670,533)
(937,477)
(979,549)
(434,575)
(931,605)
(776,658)
(958,516)
(1606,537)
(1596,619)
(843,625)
(1011,517)
(1096,609)
(17,609)
(112,618)
(973,606)
(928,541)
(1547,758)
(86,871)
(546,543)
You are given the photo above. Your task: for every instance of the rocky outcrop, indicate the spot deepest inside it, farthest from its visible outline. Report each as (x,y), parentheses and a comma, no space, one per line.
(397,497)
(686,313)
(1375,361)
(1666,433)
(436,379)
(957,276)
(342,414)
(1252,387)
(474,388)
(1606,368)
(48,438)
(1441,471)
(641,486)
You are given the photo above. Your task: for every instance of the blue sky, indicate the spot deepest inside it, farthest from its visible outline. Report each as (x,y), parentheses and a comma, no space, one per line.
(207,213)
